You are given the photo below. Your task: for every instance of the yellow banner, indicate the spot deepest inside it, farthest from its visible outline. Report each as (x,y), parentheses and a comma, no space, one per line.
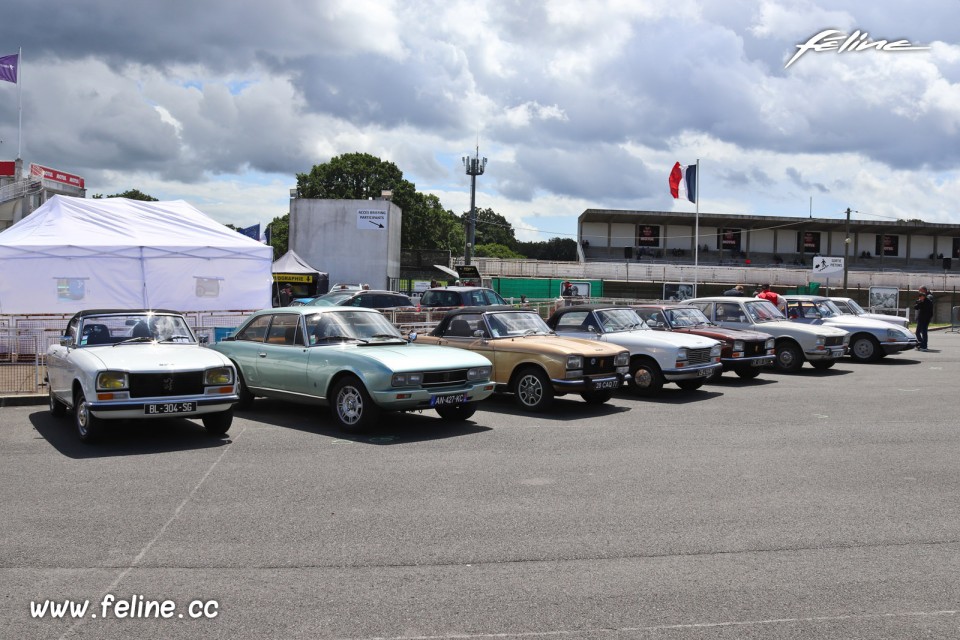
(292,277)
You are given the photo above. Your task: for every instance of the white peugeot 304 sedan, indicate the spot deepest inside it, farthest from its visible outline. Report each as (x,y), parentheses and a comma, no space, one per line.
(123,364)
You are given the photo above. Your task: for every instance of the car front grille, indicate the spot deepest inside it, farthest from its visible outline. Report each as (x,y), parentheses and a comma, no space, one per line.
(444,378)
(149,385)
(755,348)
(834,341)
(593,365)
(699,356)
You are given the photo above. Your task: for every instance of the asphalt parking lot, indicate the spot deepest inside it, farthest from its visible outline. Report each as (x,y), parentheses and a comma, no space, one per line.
(817,505)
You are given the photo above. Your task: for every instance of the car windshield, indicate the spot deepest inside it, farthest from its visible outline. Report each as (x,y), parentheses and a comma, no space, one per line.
(616,320)
(324,328)
(828,310)
(855,307)
(763,311)
(686,317)
(134,328)
(514,323)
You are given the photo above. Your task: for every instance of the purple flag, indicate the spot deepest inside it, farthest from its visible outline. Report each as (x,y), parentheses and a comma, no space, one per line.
(8,67)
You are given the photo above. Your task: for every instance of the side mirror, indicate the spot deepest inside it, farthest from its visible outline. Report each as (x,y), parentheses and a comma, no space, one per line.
(204,339)
(66,341)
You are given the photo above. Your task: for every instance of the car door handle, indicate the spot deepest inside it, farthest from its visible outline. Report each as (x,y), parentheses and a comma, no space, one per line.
(262,354)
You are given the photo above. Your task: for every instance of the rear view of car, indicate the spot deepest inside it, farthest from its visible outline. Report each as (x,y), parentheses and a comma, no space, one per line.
(449,297)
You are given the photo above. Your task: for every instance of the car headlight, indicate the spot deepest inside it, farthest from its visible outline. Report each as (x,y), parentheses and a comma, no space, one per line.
(770,344)
(682,353)
(112,380)
(895,334)
(218,376)
(715,351)
(574,362)
(479,373)
(407,379)
(821,341)
(738,345)
(622,359)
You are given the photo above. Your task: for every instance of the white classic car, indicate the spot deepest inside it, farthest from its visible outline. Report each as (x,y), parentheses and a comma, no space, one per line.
(849,305)
(795,343)
(655,357)
(116,364)
(870,340)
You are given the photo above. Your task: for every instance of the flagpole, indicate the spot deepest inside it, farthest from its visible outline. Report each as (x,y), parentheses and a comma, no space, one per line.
(19,100)
(696,232)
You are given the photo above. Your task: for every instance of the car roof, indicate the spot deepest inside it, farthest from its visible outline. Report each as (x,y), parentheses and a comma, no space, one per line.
(309,310)
(805,296)
(458,288)
(720,299)
(591,307)
(487,309)
(103,312)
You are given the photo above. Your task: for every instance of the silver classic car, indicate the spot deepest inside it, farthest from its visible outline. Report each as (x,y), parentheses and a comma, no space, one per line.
(353,360)
(795,343)
(114,364)
(870,340)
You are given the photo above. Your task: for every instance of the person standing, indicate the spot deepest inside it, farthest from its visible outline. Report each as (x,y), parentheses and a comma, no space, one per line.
(736,291)
(924,309)
(286,295)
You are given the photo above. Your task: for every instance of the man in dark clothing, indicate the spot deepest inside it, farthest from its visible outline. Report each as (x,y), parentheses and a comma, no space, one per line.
(924,308)
(736,291)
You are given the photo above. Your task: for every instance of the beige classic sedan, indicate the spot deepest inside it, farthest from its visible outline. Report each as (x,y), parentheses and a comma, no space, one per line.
(529,359)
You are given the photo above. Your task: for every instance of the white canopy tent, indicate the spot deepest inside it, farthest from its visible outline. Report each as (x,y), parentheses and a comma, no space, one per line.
(73,253)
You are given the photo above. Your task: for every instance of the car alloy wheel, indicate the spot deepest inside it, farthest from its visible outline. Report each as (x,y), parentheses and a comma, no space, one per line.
(865,349)
(533,390)
(353,408)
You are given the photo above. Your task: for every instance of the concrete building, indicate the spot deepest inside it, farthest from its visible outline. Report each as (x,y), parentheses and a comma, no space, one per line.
(351,240)
(22,193)
(611,235)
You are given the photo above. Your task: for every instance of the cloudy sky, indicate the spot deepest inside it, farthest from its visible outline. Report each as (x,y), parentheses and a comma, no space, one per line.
(576,104)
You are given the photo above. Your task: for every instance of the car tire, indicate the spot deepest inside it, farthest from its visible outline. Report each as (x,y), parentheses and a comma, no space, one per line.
(532,389)
(457,412)
(865,348)
(789,357)
(57,408)
(645,378)
(823,364)
(352,407)
(89,427)
(596,397)
(246,398)
(218,423)
(748,373)
(690,385)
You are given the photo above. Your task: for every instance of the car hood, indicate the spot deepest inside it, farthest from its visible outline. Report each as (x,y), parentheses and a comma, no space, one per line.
(723,333)
(556,345)
(420,357)
(151,356)
(663,339)
(788,326)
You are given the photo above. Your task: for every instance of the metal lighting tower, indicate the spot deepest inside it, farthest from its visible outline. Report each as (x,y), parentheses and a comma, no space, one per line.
(474,167)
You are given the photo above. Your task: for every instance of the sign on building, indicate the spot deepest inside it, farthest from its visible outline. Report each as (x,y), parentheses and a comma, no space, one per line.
(371,220)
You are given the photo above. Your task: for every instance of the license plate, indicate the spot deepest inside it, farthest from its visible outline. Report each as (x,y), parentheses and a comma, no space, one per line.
(439,401)
(170,407)
(605,384)
(761,363)
(704,372)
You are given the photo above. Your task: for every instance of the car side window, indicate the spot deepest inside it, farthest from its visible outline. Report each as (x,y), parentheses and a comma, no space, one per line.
(284,329)
(492,297)
(654,318)
(463,326)
(255,331)
(572,321)
(730,312)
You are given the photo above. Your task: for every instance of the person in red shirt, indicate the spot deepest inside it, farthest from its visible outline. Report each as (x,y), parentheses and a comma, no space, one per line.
(766,294)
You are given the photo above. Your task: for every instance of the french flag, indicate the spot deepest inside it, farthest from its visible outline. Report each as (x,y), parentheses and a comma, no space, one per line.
(683,181)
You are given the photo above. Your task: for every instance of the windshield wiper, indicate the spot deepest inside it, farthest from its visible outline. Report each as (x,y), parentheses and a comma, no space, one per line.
(132,340)
(387,335)
(173,338)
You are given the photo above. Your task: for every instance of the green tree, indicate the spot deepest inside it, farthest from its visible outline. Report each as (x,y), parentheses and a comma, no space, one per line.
(132,194)
(552,249)
(280,235)
(496,251)
(492,228)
